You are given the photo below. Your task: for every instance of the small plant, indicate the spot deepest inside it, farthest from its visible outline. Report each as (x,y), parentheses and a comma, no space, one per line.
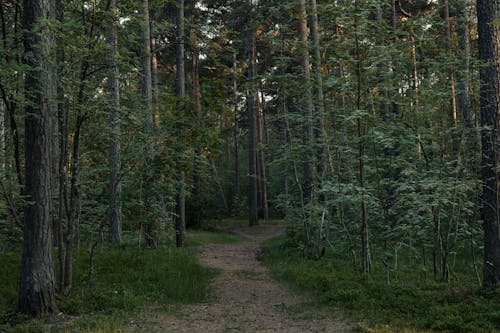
(408,303)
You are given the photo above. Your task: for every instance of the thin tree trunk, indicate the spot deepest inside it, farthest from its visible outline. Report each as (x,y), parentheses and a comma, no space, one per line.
(147,102)
(365,247)
(180,91)
(463,99)
(9,104)
(446,10)
(307,103)
(71,211)
(115,189)
(198,112)
(236,133)
(154,80)
(215,175)
(325,156)
(73,204)
(252,154)
(37,280)
(261,162)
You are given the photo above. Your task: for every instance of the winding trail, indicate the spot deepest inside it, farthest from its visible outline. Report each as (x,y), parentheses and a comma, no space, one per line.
(244,296)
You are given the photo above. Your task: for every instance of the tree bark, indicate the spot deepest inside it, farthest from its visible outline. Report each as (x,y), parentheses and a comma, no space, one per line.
(198,112)
(115,216)
(446,12)
(180,92)
(489,53)
(147,102)
(252,152)
(37,281)
(463,99)
(365,245)
(307,103)
(154,79)
(236,134)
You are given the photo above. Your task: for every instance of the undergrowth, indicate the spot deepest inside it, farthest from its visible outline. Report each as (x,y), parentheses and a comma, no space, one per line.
(125,280)
(409,302)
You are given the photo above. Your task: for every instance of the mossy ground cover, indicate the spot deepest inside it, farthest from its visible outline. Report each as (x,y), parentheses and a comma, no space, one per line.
(125,281)
(408,302)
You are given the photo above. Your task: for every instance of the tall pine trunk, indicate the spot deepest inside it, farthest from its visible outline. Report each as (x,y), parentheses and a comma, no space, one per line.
(489,53)
(147,103)
(252,149)
(115,216)
(180,92)
(307,104)
(37,282)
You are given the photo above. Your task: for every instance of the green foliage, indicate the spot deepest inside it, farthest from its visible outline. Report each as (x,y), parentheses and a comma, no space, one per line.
(127,279)
(124,279)
(411,301)
(10,267)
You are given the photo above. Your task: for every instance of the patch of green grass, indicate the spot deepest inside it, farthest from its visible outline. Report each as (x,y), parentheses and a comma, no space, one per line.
(124,280)
(249,275)
(10,266)
(200,237)
(96,323)
(237,223)
(408,302)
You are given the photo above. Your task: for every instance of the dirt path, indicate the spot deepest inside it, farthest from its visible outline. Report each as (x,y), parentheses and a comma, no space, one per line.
(244,297)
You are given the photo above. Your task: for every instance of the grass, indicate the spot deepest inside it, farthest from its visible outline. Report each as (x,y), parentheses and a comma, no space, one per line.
(237,223)
(249,275)
(200,237)
(125,281)
(402,306)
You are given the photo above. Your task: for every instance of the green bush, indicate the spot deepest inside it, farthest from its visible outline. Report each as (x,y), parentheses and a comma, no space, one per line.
(124,279)
(407,302)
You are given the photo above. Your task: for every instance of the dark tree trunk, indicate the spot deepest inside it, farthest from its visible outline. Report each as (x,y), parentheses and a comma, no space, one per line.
(180,91)
(489,53)
(236,133)
(307,102)
(147,102)
(261,165)
(199,118)
(252,152)
(37,283)
(115,216)
(62,119)
(154,79)
(463,99)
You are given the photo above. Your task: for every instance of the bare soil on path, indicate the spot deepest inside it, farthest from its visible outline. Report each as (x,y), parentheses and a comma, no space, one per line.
(244,297)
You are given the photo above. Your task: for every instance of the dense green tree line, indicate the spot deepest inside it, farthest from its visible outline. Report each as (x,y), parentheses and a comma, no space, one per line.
(370,126)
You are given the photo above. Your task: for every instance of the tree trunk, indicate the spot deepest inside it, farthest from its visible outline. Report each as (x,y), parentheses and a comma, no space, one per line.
(154,80)
(489,53)
(73,201)
(463,99)
(261,165)
(180,92)
(199,117)
(62,118)
(252,152)
(446,12)
(37,282)
(115,188)
(236,133)
(147,102)
(365,245)
(307,102)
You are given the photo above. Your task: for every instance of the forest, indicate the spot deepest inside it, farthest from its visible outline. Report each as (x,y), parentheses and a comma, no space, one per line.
(157,154)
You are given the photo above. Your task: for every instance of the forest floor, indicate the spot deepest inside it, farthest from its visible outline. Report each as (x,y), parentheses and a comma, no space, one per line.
(244,297)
